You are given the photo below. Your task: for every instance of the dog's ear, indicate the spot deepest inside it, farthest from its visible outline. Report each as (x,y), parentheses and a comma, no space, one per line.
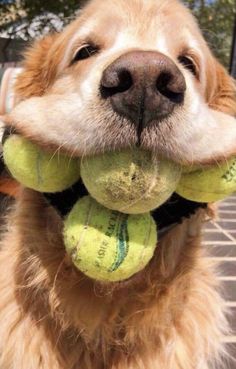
(39,69)
(220,89)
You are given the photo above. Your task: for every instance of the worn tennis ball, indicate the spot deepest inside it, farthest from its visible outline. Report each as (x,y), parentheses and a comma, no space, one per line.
(107,245)
(132,181)
(210,184)
(37,169)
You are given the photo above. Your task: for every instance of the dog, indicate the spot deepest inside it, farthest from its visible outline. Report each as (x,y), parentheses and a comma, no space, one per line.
(125,73)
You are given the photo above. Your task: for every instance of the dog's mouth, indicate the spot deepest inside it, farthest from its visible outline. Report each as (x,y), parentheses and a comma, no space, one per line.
(189,136)
(166,216)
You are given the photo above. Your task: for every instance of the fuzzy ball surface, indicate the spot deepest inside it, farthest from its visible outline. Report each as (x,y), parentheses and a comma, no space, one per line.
(39,170)
(209,184)
(132,181)
(108,245)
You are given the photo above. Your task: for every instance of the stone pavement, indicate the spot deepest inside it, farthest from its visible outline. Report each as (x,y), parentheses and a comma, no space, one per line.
(220,239)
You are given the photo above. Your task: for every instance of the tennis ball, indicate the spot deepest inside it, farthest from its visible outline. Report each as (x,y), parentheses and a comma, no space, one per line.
(37,169)
(107,245)
(209,185)
(132,181)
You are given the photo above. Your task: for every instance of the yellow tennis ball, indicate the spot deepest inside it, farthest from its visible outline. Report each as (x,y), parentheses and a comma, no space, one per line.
(210,184)
(37,169)
(107,245)
(132,181)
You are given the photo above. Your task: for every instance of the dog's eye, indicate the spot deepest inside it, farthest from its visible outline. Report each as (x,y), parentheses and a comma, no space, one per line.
(189,64)
(85,52)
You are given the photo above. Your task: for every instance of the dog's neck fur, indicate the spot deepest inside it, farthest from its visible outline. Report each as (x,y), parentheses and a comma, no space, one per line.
(80,324)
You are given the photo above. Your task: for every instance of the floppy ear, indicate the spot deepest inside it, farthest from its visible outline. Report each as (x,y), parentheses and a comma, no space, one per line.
(39,69)
(221,89)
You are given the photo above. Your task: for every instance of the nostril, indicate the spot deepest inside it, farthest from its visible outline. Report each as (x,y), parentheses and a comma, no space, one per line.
(163,80)
(120,83)
(126,80)
(167,87)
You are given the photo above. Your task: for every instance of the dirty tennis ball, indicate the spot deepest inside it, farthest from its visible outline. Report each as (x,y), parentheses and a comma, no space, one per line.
(38,169)
(209,184)
(131,181)
(107,245)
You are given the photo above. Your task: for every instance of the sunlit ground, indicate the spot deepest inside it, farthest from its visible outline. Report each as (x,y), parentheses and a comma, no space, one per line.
(220,239)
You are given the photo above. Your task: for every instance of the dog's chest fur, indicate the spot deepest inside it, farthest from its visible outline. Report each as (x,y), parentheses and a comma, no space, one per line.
(170,316)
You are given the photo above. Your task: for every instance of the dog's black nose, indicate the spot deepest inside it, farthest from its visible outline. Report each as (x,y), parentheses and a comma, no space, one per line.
(144,86)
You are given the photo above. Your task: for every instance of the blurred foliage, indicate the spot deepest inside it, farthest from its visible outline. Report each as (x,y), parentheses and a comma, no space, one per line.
(216,19)
(35,7)
(31,18)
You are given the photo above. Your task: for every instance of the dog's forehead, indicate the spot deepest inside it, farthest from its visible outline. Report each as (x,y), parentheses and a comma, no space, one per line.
(120,25)
(144,20)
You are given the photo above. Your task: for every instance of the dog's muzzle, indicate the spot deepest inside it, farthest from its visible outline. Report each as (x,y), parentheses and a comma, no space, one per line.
(143,86)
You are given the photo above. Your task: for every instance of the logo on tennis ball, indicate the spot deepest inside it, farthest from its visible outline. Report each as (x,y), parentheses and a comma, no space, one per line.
(230,175)
(209,184)
(122,246)
(119,230)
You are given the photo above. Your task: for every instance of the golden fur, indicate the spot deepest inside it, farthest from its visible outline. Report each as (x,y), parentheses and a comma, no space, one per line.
(170,316)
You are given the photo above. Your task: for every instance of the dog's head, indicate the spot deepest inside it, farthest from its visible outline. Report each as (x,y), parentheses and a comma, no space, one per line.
(128,73)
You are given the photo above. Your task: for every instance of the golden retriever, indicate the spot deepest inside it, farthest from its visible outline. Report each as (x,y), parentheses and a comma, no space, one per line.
(126,72)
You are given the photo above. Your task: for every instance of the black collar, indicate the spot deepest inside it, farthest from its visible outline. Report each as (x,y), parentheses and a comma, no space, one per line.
(173,212)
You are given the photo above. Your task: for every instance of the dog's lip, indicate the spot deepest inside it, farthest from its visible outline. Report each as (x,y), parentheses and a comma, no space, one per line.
(163,152)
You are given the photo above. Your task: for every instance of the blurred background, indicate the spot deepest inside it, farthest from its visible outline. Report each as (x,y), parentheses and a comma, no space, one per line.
(24,20)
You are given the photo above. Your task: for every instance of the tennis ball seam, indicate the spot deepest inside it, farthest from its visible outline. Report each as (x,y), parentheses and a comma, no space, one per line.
(148,190)
(85,225)
(184,187)
(146,241)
